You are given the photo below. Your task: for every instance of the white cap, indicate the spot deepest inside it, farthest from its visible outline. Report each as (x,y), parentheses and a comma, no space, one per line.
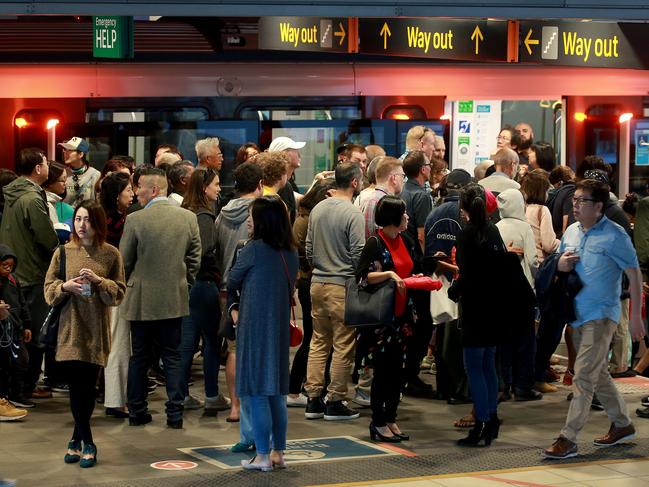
(280,144)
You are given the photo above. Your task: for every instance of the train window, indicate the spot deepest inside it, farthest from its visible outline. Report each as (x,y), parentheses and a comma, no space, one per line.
(639,154)
(175,114)
(540,114)
(324,113)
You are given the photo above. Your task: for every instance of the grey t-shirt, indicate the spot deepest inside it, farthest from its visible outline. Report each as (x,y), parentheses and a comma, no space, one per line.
(334,241)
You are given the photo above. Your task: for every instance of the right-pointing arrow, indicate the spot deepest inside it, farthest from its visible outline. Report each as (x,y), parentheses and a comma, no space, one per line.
(529,42)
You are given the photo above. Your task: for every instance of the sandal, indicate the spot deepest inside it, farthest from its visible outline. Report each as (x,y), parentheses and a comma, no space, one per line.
(251,465)
(467,421)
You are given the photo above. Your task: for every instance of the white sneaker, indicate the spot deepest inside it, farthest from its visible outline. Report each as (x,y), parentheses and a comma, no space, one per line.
(8,412)
(297,402)
(216,404)
(191,402)
(362,399)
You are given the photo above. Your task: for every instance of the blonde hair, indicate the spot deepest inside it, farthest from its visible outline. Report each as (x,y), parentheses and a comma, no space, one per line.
(385,167)
(415,134)
(274,165)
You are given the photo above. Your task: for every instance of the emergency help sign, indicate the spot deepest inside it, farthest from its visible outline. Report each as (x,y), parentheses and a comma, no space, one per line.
(112,37)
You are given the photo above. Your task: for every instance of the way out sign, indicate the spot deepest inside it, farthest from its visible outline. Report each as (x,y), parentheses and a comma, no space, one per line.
(112,37)
(174,465)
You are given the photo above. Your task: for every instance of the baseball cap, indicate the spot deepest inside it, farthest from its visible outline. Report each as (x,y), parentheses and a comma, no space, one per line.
(282,143)
(597,175)
(76,143)
(458,178)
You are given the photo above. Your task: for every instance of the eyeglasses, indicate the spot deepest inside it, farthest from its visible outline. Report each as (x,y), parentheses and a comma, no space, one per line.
(579,201)
(403,175)
(501,137)
(6,265)
(218,154)
(426,131)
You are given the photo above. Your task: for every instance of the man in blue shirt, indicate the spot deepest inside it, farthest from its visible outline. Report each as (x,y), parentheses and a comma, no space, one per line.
(599,251)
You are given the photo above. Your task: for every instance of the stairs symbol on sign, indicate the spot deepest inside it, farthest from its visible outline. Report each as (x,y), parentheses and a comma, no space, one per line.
(325,28)
(550,42)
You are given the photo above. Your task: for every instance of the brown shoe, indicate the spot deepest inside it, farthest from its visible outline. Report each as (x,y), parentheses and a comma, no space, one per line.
(616,436)
(560,449)
(40,393)
(544,387)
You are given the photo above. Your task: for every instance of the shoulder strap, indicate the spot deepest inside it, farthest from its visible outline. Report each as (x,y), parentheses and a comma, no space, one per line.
(288,277)
(62,262)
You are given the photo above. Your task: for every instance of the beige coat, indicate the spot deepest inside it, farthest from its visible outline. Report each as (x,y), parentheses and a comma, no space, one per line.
(540,219)
(84,327)
(161,247)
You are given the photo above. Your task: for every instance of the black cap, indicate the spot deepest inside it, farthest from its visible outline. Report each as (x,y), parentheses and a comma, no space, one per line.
(458,178)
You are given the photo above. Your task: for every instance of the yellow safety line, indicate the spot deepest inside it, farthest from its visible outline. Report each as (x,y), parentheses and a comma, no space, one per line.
(483,472)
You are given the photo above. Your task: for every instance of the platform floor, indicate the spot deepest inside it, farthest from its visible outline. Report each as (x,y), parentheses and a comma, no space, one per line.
(31,451)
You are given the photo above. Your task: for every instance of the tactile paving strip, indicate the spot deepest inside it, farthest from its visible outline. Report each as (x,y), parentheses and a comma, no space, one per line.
(447,461)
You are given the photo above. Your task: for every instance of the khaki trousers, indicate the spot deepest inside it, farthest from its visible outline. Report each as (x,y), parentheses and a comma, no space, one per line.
(592,341)
(620,346)
(328,311)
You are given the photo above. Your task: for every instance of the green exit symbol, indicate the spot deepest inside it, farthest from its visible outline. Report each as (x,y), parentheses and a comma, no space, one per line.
(466,106)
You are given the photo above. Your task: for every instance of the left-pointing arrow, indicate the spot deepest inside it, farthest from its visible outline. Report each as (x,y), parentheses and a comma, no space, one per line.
(340,33)
(385,32)
(530,42)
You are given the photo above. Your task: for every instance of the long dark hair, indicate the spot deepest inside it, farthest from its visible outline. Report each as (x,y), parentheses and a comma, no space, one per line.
(271,222)
(111,187)
(473,201)
(97,219)
(317,193)
(195,198)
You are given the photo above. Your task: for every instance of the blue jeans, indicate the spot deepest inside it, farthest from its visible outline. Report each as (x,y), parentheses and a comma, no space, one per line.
(269,416)
(246,433)
(144,336)
(480,366)
(203,320)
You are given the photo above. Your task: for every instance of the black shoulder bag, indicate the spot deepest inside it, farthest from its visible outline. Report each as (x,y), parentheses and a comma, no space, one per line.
(50,329)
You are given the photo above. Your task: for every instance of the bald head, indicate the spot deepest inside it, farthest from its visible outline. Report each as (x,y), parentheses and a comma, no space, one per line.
(506,161)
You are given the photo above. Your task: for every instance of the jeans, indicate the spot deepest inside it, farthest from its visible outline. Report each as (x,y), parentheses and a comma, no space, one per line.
(269,416)
(144,334)
(246,433)
(298,369)
(203,320)
(480,366)
(82,378)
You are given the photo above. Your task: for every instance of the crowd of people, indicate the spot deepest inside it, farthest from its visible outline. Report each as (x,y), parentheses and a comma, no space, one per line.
(149,263)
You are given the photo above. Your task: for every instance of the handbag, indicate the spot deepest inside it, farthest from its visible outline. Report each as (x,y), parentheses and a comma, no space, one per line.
(442,309)
(369,305)
(50,329)
(296,335)
(226,326)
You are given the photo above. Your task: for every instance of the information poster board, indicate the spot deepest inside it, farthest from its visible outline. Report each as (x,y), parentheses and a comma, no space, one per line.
(641,136)
(476,124)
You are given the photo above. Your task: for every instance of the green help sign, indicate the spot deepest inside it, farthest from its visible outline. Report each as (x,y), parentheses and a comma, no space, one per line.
(112,37)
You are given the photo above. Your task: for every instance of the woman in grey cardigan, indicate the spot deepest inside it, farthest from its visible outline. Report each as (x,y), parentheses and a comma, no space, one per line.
(265,267)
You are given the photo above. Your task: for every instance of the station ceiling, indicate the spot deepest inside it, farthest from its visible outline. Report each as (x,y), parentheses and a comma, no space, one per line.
(636,10)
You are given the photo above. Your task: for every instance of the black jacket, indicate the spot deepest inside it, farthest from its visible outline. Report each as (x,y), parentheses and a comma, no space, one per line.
(11,294)
(209,270)
(556,291)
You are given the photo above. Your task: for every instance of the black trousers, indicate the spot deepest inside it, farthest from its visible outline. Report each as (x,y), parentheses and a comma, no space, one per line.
(518,352)
(38,309)
(14,362)
(457,384)
(441,375)
(547,341)
(389,376)
(417,343)
(82,378)
(298,369)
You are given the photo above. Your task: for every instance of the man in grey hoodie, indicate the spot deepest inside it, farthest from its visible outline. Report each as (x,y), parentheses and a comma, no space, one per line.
(232,228)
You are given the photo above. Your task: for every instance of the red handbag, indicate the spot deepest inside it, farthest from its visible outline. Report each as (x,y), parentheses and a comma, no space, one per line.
(296,334)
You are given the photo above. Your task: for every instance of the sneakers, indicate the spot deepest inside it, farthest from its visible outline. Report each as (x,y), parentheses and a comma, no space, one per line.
(427,362)
(527,395)
(315,408)
(645,401)
(191,402)
(616,436)
(338,411)
(297,402)
(21,401)
(8,412)
(61,387)
(545,388)
(362,399)
(560,449)
(41,393)
(567,377)
(215,404)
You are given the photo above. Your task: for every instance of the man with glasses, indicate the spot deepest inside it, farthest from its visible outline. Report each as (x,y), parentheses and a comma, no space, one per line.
(599,251)
(26,227)
(291,150)
(82,178)
(209,154)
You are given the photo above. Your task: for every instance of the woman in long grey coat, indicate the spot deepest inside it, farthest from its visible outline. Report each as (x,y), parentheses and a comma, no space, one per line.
(264,275)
